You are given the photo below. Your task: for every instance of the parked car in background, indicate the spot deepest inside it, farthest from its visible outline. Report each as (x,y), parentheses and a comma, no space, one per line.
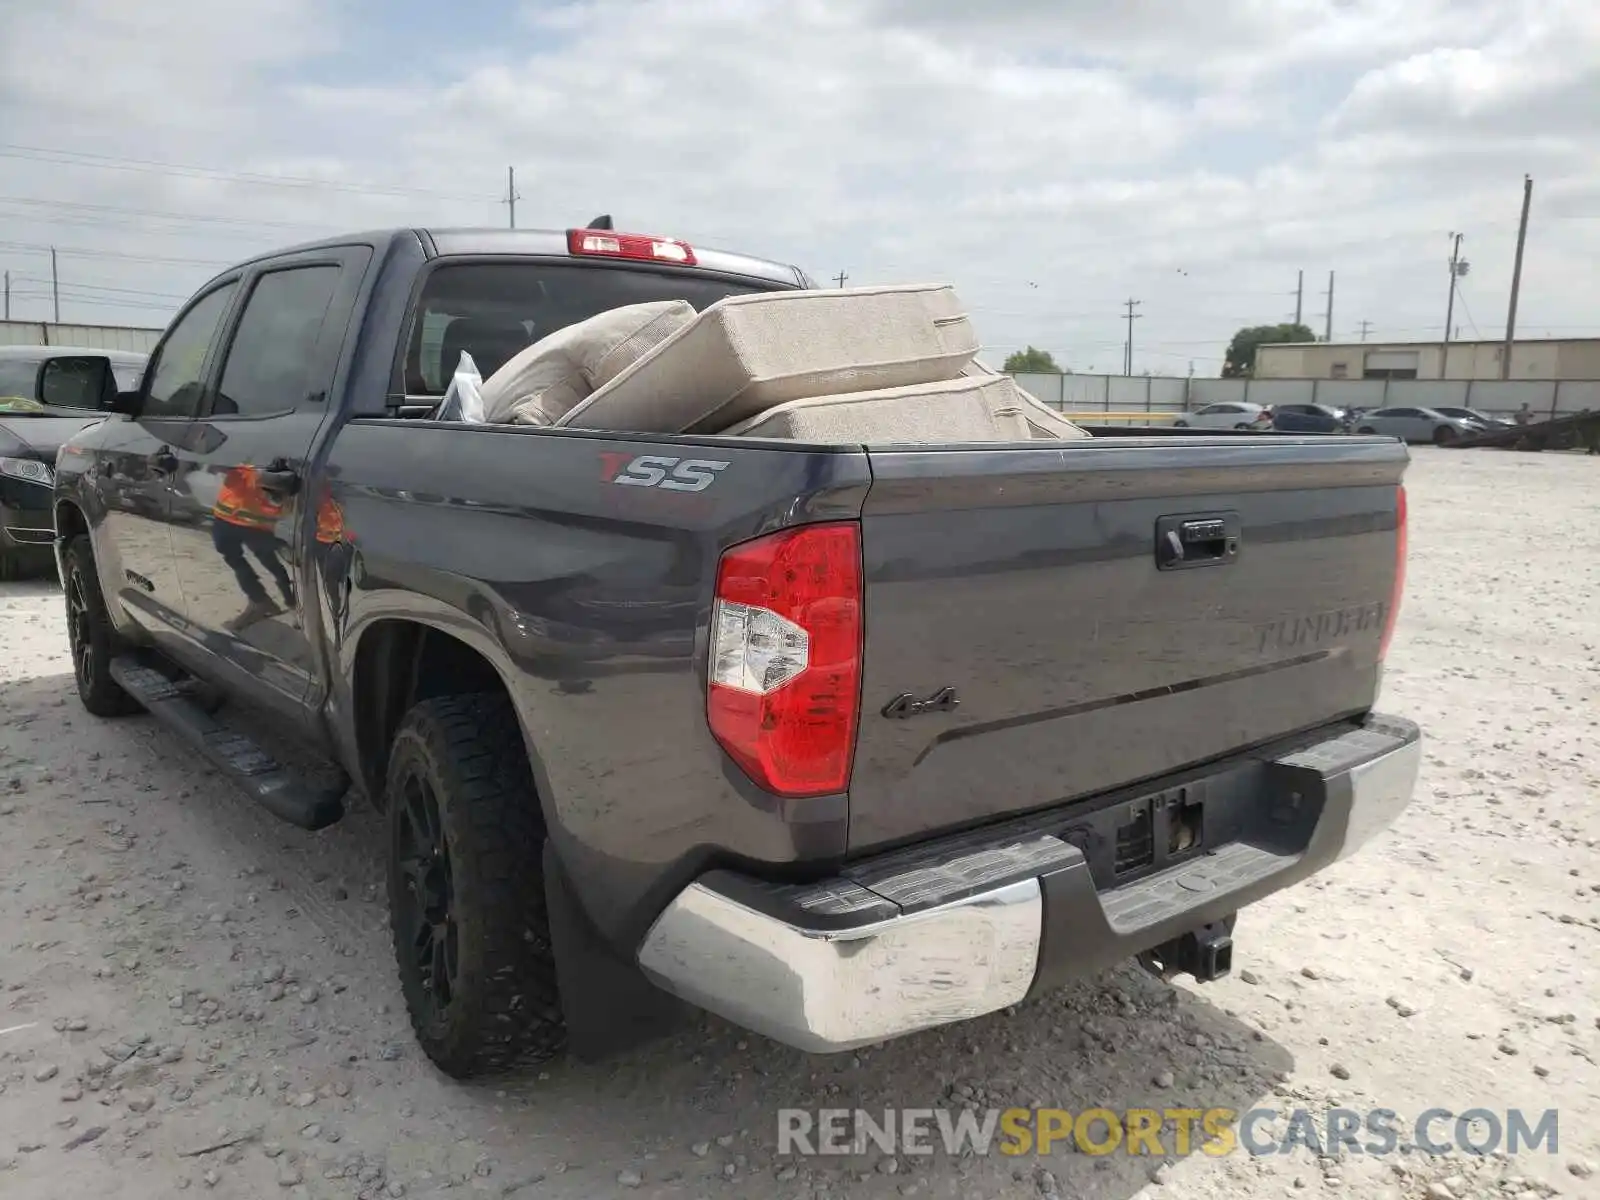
(1229,415)
(1307,418)
(1416,425)
(1472,414)
(47,394)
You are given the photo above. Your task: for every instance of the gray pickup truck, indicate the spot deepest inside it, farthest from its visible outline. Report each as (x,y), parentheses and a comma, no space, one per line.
(840,742)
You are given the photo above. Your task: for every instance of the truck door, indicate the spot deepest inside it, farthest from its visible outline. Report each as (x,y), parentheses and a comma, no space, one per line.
(132,546)
(240,498)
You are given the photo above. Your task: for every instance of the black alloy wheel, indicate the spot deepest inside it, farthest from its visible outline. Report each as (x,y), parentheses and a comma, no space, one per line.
(425,915)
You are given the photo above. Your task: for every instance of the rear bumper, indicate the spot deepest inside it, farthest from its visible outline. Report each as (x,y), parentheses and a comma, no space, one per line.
(968,925)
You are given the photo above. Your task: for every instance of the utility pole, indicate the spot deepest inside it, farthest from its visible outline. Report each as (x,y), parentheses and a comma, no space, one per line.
(1127,356)
(1299,294)
(511,194)
(1327,325)
(1457,269)
(841,277)
(55,284)
(1516,279)
(1365,325)
(8,295)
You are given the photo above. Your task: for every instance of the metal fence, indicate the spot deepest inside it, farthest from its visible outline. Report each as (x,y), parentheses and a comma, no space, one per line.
(96,337)
(1143,400)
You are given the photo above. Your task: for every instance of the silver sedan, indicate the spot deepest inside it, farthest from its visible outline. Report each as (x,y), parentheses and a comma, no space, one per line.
(1416,425)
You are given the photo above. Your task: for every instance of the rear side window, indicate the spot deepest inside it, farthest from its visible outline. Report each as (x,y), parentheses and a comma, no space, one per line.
(493,310)
(272,357)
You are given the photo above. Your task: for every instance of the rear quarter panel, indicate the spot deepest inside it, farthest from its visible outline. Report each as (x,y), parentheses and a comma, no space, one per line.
(592,599)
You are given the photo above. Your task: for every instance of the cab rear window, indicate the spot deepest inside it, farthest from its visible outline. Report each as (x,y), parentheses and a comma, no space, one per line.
(493,310)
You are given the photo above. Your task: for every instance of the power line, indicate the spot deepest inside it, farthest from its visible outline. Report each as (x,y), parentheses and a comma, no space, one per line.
(95,301)
(1476,333)
(100,287)
(78,158)
(79,252)
(120,210)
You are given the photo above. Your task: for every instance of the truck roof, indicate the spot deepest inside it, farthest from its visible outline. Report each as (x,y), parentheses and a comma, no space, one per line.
(543,242)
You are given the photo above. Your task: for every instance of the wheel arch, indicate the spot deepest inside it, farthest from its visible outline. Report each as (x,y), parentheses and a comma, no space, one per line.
(399,661)
(70,521)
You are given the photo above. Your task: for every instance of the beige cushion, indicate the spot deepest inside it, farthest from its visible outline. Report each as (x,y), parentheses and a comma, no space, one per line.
(746,354)
(550,377)
(975,408)
(1043,421)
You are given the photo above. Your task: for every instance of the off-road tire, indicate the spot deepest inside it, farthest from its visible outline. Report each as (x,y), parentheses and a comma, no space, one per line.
(90,636)
(503,1008)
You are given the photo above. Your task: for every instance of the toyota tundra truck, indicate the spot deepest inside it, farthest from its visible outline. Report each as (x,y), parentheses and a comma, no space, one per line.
(840,742)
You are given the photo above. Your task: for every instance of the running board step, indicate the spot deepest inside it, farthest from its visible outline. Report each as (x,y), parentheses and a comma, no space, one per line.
(277,789)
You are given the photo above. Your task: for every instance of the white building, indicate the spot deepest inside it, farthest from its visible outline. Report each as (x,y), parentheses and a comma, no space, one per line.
(1531,358)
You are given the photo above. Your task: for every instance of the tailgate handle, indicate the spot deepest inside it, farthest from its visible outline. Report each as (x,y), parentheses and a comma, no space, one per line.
(1197,540)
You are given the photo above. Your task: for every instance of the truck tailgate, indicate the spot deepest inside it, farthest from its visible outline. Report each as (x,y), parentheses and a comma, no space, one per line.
(1042,587)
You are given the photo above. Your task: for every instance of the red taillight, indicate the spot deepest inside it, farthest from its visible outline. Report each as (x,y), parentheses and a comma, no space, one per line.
(1399,572)
(603,243)
(785,670)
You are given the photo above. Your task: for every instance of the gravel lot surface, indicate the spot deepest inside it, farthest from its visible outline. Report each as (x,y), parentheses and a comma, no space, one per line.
(195,998)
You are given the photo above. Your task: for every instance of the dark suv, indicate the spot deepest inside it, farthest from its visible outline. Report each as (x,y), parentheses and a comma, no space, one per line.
(47,394)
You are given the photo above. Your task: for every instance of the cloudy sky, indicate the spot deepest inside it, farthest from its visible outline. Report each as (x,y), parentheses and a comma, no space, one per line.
(1052,158)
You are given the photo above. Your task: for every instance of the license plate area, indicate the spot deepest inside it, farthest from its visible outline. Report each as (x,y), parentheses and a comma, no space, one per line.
(1133,838)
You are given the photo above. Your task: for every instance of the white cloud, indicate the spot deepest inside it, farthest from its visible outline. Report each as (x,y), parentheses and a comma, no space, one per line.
(1050,159)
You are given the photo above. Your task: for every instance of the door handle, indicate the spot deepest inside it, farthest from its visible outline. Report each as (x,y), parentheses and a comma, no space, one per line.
(1198,540)
(163,461)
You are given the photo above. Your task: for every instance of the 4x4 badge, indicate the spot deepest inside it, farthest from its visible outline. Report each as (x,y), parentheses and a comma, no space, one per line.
(906,705)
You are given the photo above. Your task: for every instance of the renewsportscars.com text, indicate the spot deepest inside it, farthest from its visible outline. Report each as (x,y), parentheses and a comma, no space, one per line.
(1164,1131)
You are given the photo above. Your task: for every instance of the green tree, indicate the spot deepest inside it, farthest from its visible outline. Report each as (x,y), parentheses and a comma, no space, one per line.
(1241,356)
(1031,362)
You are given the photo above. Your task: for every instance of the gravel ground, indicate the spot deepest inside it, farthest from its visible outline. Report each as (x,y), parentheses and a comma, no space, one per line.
(196,998)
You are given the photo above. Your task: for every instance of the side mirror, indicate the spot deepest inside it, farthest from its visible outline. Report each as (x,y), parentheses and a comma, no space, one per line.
(75,381)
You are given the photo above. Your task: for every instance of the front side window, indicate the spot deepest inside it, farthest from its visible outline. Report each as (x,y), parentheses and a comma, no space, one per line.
(177,377)
(270,362)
